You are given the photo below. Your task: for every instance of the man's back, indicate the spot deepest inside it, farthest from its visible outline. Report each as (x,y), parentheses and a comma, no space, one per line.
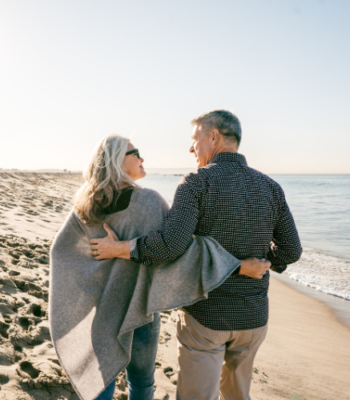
(244,210)
(240,208)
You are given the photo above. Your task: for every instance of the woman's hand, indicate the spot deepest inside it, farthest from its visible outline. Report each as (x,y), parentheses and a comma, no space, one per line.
(109,246)
(254,268)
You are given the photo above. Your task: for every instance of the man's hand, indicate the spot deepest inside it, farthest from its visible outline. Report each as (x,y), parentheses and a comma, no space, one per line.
(254,268)
(109,246)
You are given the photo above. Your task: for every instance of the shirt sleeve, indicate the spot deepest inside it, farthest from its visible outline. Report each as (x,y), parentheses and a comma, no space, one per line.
(285,247)
(178,227)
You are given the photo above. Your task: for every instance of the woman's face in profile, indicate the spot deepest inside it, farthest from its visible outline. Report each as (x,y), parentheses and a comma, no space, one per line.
(132,164)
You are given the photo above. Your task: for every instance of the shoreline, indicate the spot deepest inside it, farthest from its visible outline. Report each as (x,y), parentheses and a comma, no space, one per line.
(326,252)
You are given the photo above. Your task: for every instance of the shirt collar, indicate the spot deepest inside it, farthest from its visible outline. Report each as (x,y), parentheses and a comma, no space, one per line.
(228,157)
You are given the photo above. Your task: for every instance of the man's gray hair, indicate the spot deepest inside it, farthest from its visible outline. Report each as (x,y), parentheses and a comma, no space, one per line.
(224,121)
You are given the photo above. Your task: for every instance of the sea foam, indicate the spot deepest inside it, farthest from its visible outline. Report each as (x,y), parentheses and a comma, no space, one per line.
(322,272)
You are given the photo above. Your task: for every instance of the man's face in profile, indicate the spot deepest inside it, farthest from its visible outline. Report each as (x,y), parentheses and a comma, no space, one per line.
(201,146)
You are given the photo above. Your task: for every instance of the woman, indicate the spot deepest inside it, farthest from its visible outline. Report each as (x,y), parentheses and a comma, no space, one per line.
(104,315)
(110,181)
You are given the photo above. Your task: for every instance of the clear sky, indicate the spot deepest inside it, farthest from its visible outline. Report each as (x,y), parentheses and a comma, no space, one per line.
(74,71)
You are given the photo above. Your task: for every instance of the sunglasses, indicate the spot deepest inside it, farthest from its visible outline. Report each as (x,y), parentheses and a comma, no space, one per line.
(134,151)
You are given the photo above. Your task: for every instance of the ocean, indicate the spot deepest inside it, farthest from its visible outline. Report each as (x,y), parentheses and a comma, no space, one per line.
(321,208)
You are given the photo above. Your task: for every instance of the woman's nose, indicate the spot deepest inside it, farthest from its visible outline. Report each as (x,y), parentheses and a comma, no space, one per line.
(142,159)
(191,149)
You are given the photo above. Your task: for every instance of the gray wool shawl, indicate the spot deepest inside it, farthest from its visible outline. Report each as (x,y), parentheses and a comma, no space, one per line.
(94,306)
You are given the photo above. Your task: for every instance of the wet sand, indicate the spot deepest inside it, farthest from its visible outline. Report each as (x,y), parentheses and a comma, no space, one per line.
(306,355)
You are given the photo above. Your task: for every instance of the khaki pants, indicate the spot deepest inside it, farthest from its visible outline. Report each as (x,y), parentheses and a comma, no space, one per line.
(215,362)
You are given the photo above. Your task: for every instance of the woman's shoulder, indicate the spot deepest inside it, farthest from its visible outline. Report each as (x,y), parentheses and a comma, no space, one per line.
(148,193)
(151,198)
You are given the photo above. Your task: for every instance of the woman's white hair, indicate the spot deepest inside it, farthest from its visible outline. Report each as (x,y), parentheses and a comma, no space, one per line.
(105,177)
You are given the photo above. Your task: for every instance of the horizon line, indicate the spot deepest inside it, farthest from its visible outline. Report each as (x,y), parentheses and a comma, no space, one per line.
(66,171)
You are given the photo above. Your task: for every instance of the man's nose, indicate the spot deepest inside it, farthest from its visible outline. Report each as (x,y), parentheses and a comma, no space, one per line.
(142,159)
(191,149)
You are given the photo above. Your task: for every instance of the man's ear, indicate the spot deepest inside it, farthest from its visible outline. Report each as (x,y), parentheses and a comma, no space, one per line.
(214,136)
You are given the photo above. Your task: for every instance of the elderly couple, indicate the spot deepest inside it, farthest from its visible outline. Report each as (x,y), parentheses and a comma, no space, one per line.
(245,212)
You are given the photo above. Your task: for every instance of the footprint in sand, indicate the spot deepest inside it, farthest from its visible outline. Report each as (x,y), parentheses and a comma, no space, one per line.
(32,212)
(12,243)
(169,373)
(43,259)
(36,310)
(14,254)
(12,272)
(25,286)
(4,379)
(28,253)
(164,316)
(24,323)
(26,368)
(3,329)
(7,286)
(164,337)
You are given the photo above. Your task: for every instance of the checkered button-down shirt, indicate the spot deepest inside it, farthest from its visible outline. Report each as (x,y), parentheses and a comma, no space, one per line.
(246,212)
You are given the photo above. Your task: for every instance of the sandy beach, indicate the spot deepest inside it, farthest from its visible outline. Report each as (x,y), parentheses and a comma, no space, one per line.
(306,355)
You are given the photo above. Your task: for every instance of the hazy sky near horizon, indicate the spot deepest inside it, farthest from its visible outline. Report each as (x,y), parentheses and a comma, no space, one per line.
(74,71)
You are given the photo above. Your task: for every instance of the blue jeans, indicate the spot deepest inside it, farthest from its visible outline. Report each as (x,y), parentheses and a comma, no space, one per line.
(140,370)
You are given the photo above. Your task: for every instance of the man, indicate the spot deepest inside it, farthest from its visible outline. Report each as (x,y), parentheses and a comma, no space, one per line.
(246,212)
